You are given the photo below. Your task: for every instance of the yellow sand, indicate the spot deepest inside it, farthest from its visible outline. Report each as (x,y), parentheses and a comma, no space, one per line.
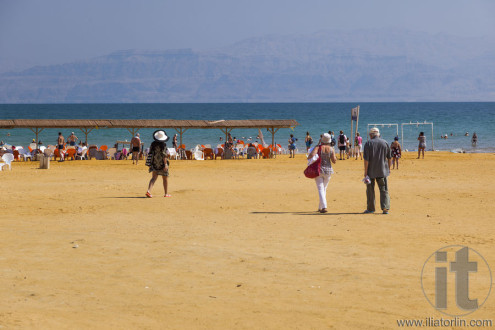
(239,244)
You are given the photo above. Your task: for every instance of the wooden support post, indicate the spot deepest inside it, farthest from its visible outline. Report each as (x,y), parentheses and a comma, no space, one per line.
(273,131)
(133,131)
(181,131)
(86,131)
(37,131)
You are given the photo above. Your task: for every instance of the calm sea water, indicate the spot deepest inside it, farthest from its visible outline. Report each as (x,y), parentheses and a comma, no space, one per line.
(455,118)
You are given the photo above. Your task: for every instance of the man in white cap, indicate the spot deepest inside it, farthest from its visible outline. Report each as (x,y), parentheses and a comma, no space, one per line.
(136,148)
(377,161)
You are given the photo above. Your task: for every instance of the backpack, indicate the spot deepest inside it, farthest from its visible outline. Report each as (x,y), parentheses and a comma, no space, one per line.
(341,139)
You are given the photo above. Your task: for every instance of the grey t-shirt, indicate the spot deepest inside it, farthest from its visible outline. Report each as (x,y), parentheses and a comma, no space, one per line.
(377,152)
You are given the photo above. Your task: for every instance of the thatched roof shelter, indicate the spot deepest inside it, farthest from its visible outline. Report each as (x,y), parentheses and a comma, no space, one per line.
(133,125)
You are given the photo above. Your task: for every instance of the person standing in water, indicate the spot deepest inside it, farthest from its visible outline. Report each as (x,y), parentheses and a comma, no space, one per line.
(474,139)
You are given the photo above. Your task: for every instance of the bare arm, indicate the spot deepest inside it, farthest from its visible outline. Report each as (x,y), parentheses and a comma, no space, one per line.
(313,153)
(332,156)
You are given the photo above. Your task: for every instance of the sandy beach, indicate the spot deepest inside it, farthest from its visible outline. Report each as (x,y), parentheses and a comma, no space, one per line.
(239,244)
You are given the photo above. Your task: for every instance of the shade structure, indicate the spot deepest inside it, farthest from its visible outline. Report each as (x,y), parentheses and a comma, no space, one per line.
(133,125)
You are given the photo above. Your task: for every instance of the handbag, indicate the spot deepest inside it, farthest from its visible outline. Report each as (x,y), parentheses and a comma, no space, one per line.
(149,158)
(313,170)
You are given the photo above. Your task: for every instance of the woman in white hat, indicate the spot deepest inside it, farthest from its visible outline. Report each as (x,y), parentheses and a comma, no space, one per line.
(159,161)
(327,155)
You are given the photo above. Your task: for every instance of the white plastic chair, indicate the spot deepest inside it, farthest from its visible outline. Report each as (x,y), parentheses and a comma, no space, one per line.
(83,154)
(199,155)
(7,158)
(111,153)
(25,154)
(172,152)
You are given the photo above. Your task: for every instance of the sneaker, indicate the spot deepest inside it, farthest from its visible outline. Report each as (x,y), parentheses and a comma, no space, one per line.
(323,211)
(385,211)
(368,211)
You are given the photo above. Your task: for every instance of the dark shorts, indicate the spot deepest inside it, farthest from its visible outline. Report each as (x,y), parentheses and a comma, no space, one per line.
(72,143)
(342,148)
(135,149)
(60,146)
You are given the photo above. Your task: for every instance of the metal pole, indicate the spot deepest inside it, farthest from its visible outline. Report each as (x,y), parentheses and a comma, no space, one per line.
(402,133)
(432,145)
(273,142)
(357,120)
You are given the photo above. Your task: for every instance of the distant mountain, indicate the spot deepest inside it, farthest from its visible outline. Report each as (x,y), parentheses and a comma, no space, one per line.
(363,65)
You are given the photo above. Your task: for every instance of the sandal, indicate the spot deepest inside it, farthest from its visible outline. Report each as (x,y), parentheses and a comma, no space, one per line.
(148,194)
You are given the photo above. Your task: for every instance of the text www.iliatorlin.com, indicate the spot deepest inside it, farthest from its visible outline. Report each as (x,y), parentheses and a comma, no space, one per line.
(441,322)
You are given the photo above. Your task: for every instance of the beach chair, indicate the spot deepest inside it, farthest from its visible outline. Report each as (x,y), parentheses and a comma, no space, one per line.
(252,153)
(265,153)
(104,148)
(7,158)
(111,153)
(42,148)
(208,152)
(188,154)
(228,154)
(198,155)
(48,153)
(92,151)
(16,155)
(173,153)
(52,148)
(56,154)
(83,154)
(25,154)
(219,153)
(70,153)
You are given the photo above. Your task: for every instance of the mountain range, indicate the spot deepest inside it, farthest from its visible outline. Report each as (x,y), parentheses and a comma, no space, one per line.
(327,66)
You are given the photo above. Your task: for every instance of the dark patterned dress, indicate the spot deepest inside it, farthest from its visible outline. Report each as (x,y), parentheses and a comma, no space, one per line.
(159,154)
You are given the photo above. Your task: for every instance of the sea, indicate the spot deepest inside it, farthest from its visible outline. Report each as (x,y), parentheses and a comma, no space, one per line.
(456,120)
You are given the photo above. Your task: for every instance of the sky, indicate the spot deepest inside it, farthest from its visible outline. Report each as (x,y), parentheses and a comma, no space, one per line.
(39,32)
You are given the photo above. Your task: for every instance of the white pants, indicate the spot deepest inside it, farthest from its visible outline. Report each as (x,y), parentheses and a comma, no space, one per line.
(322,184)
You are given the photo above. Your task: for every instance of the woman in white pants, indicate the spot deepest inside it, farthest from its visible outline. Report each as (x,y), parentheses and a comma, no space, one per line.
(327,158)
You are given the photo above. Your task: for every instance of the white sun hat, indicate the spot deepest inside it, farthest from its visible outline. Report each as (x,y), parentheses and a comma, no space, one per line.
(160,135)
(326,138)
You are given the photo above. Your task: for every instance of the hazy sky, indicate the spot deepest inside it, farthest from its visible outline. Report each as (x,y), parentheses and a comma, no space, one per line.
(56,31)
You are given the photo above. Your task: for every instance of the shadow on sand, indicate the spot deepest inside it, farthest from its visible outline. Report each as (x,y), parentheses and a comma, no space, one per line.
(307,213)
